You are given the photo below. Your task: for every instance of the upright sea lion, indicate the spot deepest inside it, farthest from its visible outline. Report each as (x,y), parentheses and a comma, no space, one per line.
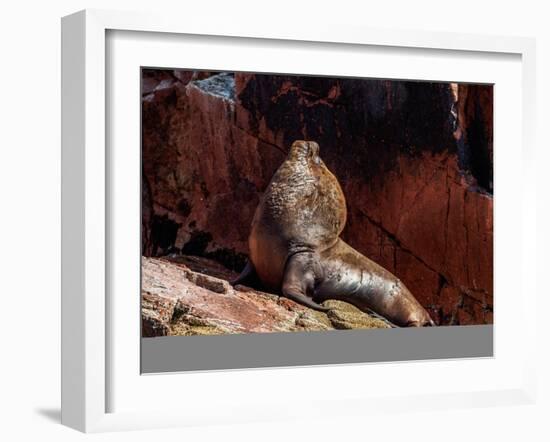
(295,246)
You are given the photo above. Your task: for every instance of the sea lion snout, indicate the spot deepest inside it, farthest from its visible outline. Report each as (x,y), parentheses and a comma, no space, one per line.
(302,149)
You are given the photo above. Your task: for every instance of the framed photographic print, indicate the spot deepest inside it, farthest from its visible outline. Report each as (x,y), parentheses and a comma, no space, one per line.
(236,178)
(320,206)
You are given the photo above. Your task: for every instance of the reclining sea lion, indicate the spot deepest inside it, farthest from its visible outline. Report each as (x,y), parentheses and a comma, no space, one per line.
(295,247)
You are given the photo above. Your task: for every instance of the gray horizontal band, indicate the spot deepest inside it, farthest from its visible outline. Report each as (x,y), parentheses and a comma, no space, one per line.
(191,353)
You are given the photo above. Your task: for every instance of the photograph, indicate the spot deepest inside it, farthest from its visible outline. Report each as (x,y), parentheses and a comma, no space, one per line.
(276,202)
(275,221)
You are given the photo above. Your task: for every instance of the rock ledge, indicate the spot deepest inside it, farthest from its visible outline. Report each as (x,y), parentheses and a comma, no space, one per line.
(192,296)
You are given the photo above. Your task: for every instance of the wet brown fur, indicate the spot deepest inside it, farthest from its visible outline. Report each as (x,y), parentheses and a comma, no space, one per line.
(295,246)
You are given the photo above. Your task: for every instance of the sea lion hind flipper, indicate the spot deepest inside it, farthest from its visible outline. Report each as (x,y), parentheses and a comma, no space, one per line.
(299,279)
(302,299)
(246,274)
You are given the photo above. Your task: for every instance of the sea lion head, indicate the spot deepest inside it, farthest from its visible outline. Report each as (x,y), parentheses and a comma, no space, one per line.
(305,151)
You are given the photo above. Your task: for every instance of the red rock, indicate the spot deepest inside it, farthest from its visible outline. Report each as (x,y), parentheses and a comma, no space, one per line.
(423,218)
(417,180)
(202,169)
(420,279)
(450,302)
(148,85)
(364,235)
(183,75)
(456,256)
(471,312)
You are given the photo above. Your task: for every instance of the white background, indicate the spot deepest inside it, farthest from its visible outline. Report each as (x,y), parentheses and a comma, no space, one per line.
(132,392)
(30,232)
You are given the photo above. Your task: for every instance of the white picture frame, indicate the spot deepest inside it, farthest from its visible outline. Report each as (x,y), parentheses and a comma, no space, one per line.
(86,351)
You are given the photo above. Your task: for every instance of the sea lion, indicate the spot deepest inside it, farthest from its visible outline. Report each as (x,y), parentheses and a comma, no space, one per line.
(295,246)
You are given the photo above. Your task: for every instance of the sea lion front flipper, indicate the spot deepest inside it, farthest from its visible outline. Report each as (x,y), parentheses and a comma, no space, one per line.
(247,273)
(298,280)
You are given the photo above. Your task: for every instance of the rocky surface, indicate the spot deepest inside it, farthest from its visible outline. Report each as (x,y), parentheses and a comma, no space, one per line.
(190,295)
(414,160)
